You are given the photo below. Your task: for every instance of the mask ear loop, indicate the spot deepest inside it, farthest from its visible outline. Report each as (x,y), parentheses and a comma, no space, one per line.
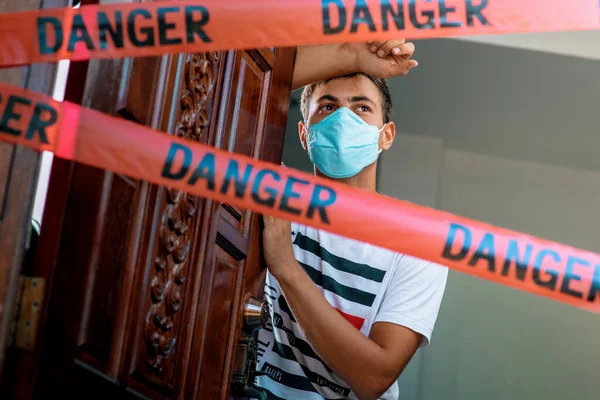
(305,147)
(379,131)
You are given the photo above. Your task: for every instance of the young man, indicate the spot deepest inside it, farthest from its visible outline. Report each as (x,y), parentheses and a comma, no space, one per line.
(347,317)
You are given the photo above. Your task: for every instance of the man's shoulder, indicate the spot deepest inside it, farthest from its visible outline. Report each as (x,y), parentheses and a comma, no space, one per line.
(419,268)
(411,261)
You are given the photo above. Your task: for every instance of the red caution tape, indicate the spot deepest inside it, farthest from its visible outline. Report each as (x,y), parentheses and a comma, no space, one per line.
(154,28)
(541,267)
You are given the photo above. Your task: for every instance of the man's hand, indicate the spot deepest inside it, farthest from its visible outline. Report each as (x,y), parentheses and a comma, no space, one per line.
(384,59)
(277,245)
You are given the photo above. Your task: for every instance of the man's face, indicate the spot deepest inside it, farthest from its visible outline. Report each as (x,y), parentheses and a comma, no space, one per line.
(360,95)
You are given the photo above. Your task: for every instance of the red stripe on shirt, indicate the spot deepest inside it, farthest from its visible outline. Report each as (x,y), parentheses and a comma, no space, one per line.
(357,322)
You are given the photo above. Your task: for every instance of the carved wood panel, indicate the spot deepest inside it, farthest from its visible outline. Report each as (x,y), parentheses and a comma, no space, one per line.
(174,252)
(110,261)
(197,97)
(179,213)
(101,299)
(225,266)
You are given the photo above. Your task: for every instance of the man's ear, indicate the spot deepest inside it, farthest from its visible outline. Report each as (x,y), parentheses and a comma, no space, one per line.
(387,136)
(303,133)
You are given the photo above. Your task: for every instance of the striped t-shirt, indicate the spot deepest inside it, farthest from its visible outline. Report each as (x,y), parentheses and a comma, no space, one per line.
(365,284)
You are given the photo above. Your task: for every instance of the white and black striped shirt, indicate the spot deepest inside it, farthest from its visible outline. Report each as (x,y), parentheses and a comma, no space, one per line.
(365,284)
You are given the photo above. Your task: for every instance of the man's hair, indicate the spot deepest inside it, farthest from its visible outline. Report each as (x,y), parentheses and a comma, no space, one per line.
(380,83)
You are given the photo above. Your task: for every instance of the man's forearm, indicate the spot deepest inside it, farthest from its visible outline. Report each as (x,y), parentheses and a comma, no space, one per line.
(359,361)
(320,62)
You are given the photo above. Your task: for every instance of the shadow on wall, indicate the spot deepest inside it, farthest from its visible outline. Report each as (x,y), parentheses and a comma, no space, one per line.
(507,102)
(294,156)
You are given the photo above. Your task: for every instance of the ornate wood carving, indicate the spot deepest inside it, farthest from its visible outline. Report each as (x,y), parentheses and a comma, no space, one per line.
(180,211)
(200,76)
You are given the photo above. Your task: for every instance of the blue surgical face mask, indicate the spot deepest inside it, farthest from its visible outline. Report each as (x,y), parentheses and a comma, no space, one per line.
(342,144)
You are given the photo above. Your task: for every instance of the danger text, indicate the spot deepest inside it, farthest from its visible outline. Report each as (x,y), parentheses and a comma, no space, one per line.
(138,27)
(262,186)
(546,268)
(391,15)
(19,116)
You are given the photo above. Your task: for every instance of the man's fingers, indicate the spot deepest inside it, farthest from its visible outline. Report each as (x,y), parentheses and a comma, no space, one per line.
(386,48)
(401,67)
(406,51)
(375,45)
(409,64)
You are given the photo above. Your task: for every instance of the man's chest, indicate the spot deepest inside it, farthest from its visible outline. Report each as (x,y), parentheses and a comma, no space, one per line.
(352,276)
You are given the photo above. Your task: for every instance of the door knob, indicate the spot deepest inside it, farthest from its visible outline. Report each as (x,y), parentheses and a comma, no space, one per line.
(255,314)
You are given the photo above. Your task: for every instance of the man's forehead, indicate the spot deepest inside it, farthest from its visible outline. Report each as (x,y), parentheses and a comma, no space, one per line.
(347,88)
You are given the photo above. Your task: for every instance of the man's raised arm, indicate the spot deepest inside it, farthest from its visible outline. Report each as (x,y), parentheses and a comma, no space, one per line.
(320,62)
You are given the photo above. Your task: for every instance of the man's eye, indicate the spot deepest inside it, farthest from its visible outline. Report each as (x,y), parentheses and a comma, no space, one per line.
(363,108)
(326,107)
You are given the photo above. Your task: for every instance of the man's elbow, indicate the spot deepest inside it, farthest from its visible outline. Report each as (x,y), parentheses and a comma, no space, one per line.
(376,387)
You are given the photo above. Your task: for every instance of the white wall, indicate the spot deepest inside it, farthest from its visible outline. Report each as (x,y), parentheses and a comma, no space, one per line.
(520,346)
(493,342)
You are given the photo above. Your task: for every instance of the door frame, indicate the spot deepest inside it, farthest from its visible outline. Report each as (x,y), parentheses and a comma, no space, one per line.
(19,366)
(19,184)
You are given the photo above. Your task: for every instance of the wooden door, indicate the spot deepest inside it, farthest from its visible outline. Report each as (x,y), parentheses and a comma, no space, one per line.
(147,284)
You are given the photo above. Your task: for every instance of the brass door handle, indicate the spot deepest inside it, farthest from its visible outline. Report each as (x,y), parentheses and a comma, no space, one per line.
(255,314)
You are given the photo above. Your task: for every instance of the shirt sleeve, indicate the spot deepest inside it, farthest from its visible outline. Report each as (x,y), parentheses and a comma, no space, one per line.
(413,297)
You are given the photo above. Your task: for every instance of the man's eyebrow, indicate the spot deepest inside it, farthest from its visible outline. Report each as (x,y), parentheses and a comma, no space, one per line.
(328,97)
(356,99)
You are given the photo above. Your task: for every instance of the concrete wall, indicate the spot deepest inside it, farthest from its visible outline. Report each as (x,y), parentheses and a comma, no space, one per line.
(508,137)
